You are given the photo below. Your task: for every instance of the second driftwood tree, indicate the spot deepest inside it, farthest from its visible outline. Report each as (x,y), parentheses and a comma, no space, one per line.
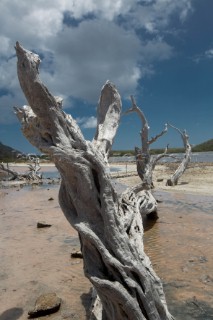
(109,225)
(173,180)
(31,175)
(146,162)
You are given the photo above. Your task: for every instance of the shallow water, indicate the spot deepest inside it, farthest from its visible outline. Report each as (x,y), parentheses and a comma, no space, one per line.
(195,157)
(179,245)
(35,261)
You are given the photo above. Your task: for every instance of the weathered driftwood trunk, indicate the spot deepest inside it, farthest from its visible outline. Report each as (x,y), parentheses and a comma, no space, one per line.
(32,175)
(109,226)
(173,180)
(14,175)
(145,162)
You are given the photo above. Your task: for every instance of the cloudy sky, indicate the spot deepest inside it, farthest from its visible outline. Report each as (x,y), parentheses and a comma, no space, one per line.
(161,51)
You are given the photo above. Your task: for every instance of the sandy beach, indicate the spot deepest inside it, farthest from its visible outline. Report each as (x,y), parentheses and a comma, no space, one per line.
(197,179)
(35,261)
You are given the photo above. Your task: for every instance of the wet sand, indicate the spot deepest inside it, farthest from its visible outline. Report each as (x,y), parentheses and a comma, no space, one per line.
(179,245)
(197,179)
(35,261)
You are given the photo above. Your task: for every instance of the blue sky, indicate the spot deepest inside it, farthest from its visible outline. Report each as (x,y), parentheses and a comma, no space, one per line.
(161,51)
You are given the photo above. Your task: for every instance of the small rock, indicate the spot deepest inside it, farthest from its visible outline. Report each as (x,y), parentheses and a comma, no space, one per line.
(206,279)
(50,199)
(77,254)
(45,304)
(203,259)
(185,269)
(43,225)
(159,201)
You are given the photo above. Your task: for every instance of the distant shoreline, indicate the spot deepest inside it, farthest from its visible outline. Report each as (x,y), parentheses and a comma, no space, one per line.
(198,177)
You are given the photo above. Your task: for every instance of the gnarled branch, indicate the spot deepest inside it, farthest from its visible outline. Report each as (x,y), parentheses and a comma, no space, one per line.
(145,163)
(109,226)
(108,117)
(31,175)
(173,180)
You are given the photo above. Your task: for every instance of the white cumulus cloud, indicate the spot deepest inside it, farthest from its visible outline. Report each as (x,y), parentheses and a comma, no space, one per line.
(84,42)
(209,54)
(87,122)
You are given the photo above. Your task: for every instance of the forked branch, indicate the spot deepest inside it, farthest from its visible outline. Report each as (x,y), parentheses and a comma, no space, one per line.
(108,118)
(145,162)
(110,226)
(173,180)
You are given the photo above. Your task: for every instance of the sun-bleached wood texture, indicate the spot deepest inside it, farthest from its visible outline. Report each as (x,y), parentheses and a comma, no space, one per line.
(173,180)
(145,162)
(32,174)
(109,225)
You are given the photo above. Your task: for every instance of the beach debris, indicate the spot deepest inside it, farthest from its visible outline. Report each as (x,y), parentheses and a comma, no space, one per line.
(201,259)
(45,304)
(31,175)
(77,254)
(206,279)
(42,224)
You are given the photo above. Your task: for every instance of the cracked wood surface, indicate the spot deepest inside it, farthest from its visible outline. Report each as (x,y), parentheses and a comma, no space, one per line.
(109,225)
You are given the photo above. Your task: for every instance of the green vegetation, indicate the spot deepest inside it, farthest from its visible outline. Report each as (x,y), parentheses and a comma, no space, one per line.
(7,154)
(170,150)
(121,153)
(203,147)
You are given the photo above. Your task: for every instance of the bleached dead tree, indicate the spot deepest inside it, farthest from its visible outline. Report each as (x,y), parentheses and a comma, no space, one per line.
(5,167)
(32,174)
(34,168)
(109,226)
(145,161)
(173,180)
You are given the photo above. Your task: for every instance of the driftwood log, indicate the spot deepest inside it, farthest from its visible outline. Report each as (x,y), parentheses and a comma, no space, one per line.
(173,180)
(32,174)
(145,162)
(109,226)
(12,173)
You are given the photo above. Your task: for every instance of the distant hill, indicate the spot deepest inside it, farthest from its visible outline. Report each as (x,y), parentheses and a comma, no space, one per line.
(205,146)
(7,153)
(202,147)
